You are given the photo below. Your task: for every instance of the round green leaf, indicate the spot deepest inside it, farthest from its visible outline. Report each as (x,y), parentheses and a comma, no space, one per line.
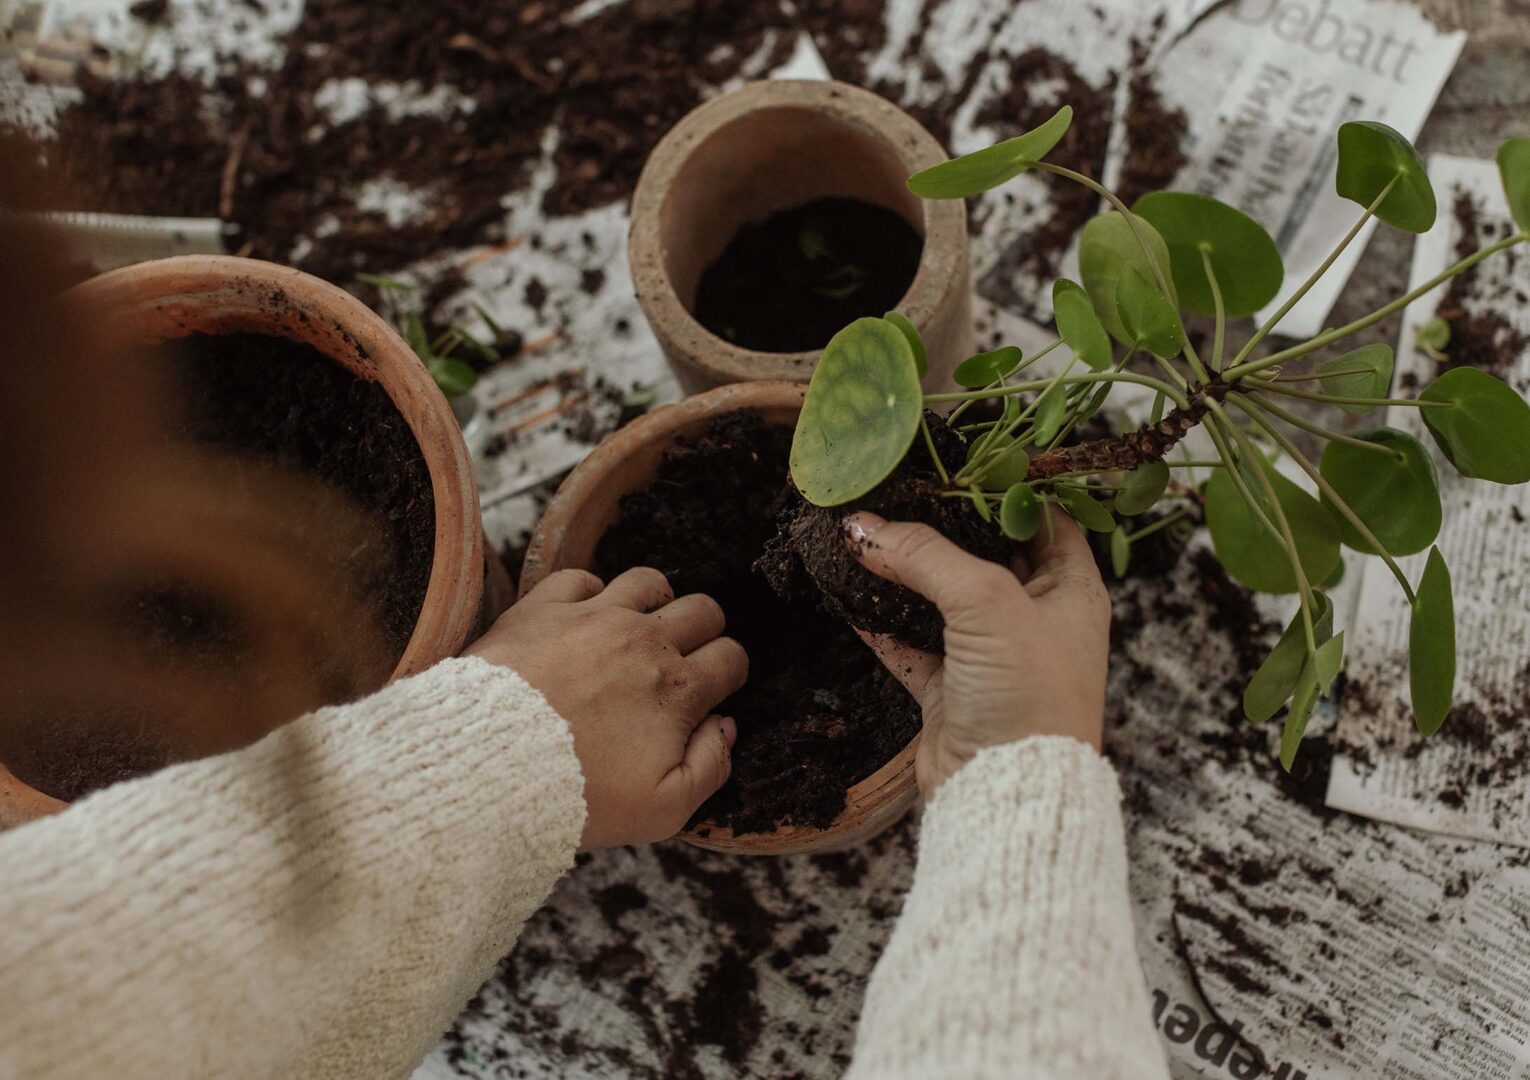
(1051,409)
(1514,168)
(1256,556)
(1243,257)
(1368,374)
(1395,494)
(1106,248)
(1084,510)
(986,368)
(1487,432)
(1432,646)
(974,173)
(453,376)
(915,342)
(860,415)
(1150,321)
(1317,675)
(1120,552)
(1011,465)
(1371,156)
(1079,326)
(1275,681)
(1020,512)
(1142,487)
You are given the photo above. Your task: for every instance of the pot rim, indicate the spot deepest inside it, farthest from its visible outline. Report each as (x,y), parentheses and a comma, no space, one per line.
(945,221)
(873,803)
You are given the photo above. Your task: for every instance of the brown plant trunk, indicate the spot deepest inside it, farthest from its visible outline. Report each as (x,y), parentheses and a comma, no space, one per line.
(1126,451)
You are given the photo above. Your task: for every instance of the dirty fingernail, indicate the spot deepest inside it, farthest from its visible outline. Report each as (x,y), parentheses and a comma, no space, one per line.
(729,729)
(858,529)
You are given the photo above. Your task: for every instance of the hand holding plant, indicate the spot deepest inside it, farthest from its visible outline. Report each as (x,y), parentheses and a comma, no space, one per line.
(1025,649)
(1374,491)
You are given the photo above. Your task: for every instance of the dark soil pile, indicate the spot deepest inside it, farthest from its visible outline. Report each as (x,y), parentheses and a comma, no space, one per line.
(613,84)
(820,712)
(1480,336)
(67,755)
(808,560)
(791,282)
(289,405)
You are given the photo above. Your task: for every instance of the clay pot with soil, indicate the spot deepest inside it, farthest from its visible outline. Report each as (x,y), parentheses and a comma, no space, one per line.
(825,756)
(769,218)
(308,530)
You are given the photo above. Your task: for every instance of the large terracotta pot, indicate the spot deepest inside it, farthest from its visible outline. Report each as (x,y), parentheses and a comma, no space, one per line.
(587,504)
(154,302)
(768,147)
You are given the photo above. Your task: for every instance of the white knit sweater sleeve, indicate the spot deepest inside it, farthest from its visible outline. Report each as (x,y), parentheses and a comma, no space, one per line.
(318,905)
(1015,956)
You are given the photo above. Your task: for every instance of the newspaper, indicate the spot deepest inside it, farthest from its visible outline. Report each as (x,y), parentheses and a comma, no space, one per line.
(1473,778)
(1265,85)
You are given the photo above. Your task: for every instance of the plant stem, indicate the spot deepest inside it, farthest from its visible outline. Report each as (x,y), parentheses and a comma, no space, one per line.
(1255,412)
(1320,431)
(1131,223)
(1334,399)
(929,444)
(1221,309)
(1224,448)
(1321,376)
(1088,377)
(1303,586)
(1172,371)
(1192,464)
(1162,523)
(1295,298)
(1248,367)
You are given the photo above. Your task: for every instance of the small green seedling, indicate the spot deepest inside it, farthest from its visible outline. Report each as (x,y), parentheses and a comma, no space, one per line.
(1142,266)
(442,354)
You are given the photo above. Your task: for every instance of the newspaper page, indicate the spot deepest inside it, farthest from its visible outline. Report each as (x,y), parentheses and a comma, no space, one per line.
(1472,778)
(1265,85)
(975,72)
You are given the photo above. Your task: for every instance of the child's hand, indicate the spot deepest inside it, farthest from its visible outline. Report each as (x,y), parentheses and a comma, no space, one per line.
(636,673)
(1025,651)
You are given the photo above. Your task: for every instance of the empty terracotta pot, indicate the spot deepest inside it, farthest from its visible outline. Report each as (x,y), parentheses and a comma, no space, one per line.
(765,148)
(587,504)
(154,302)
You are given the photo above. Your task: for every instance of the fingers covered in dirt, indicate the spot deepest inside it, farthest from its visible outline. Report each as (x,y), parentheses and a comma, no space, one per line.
(1021,658)
(638,676)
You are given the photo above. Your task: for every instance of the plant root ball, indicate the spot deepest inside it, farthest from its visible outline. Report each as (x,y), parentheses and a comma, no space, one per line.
(809,554)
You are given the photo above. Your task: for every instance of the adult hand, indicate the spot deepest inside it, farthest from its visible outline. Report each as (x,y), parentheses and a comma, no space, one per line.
(636,673)
(1026,648)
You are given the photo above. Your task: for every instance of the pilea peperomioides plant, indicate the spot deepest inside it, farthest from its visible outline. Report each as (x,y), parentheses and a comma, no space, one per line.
(1375,490)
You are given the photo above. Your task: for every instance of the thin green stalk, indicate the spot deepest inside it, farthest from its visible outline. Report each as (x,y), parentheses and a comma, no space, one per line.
(1335,399)
(1224,450)
(982,458)
(1172,371)
(929,444)
(1076,418)
(1131,223)
(1088,377)
(1320,431)
(1192,464)
(1295,298)
(1321,376)
(1303,586)
(1162,523)
(1221,310)
(1255,412)
(1248,367)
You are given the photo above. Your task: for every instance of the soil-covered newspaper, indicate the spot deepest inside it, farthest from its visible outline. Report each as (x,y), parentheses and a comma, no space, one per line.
(1472,778)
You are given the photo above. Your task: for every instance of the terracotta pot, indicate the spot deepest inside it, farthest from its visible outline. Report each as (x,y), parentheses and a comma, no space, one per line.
(158,301)
(769,147)
(587,504)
